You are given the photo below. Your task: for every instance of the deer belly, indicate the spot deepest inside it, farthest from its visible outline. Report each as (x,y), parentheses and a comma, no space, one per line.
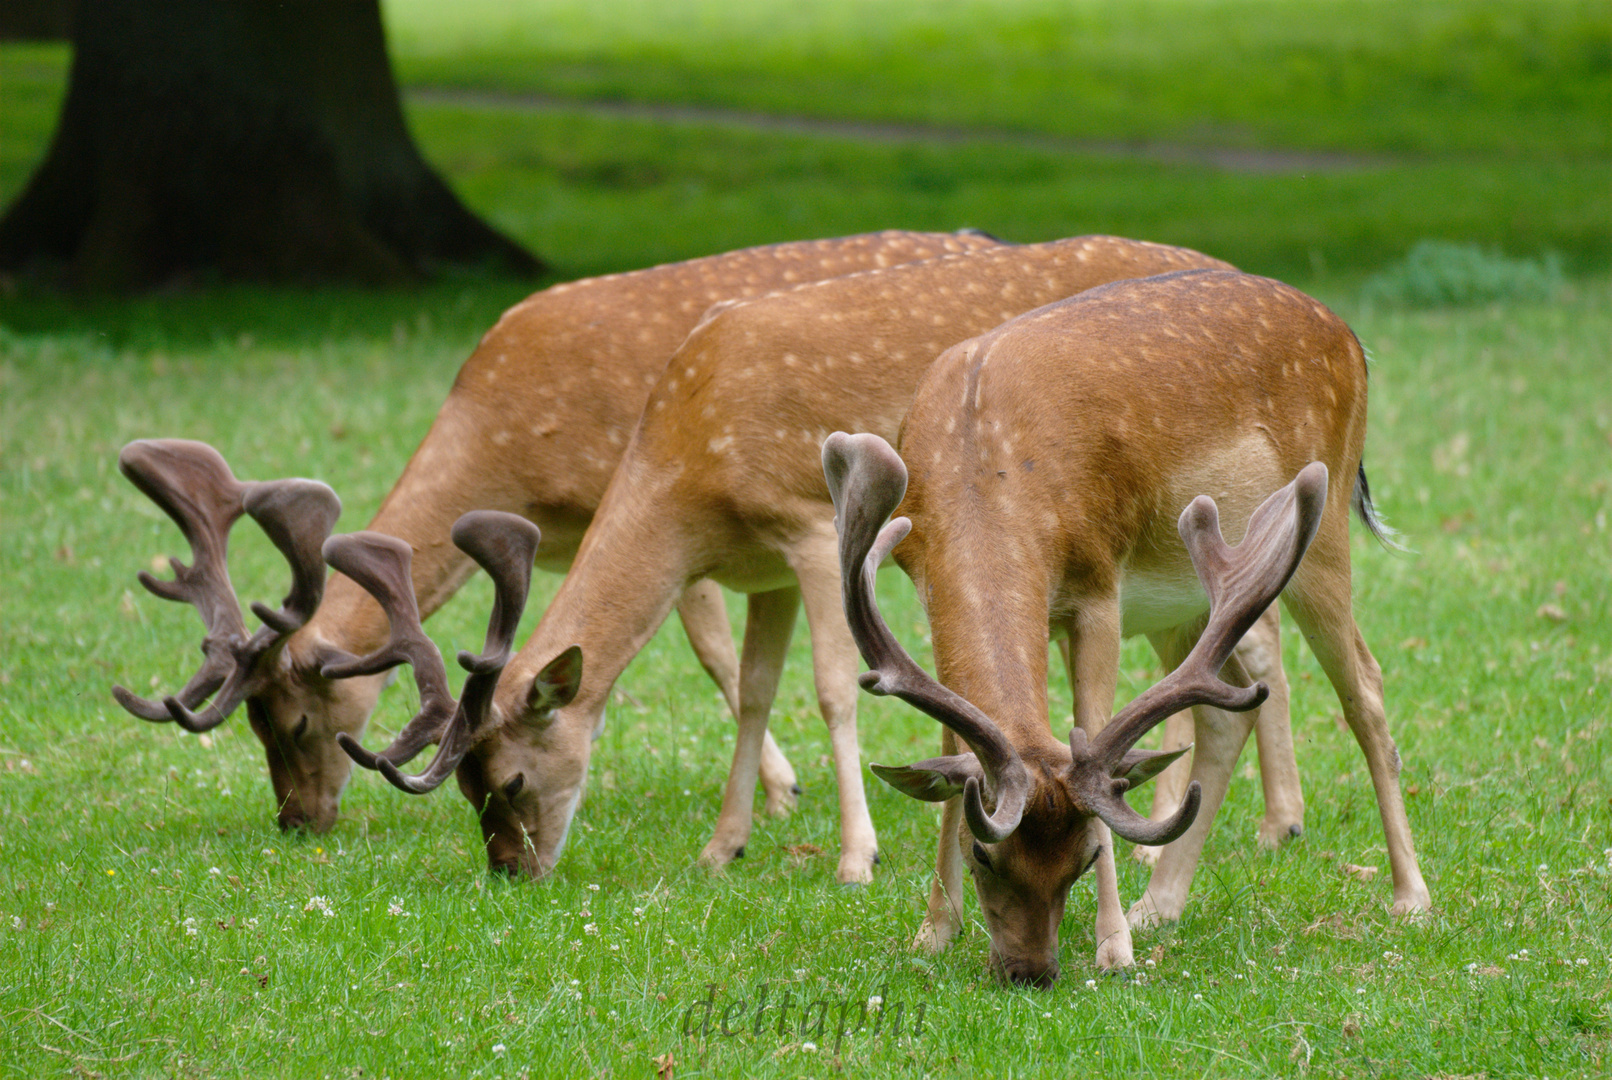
(1153,600)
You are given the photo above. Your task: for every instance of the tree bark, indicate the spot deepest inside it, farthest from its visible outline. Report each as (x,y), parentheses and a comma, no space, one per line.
(242,139)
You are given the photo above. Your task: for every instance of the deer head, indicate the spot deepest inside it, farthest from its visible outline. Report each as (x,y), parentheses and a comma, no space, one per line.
(504,545)
(193,484)
(1029,812)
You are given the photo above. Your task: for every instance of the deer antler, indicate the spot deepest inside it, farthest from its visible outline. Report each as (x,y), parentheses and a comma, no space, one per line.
(195,487)
(867,481)
(1242,582)
(504,545)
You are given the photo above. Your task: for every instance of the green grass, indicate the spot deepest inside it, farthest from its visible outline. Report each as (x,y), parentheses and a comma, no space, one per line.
(1471,122)
(1437,77)
(1489,447)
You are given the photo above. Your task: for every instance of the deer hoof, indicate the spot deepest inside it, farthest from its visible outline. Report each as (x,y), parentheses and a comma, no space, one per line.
(781,803)
(1273,834)
(1147,856)
(1115,954)
(934,935)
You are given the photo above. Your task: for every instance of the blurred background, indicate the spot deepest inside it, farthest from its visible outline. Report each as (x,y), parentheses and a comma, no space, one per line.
(1315,140)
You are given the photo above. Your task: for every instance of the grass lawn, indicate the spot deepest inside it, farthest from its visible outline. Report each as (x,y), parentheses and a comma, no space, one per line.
(153,922)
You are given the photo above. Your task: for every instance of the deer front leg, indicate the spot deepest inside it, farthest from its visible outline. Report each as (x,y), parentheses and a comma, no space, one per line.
(705,620)
(1091,654)
(768,628)
(943,917)
(835,664)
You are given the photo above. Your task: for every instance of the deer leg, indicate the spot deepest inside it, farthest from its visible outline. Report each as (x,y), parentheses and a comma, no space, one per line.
(943,917)
(835,665)
(1260,653)
(1091,653)
(1171,785)
(1319,601)
(705,620)
(768,627)
(1220,737)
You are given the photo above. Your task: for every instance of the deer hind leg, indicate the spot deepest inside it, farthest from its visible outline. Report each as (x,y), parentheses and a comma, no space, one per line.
(943,916)
(705,620)
(1170,786)
(1091,655)
(835,664)
(1261,655)
(1219,740)
(1318,599)
(769,626)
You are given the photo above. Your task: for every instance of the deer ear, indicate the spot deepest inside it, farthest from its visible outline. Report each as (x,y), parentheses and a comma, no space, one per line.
(556,685)
(1140,766)
(934,780)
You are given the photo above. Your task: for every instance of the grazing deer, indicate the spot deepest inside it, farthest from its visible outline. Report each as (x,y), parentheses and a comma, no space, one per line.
(1049,460)
(535,424)
(723,480)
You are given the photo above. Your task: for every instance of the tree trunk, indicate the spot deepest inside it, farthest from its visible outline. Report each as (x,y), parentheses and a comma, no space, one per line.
(244,139)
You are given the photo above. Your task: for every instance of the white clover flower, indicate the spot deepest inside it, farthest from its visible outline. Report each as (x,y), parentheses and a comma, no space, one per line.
(576,982)
(1197,997)
(16,922)
(190,927)
(498,1048)
(615,948)
(593,888)
(1091,984)
(638,912)
(808,1048)
(1150,962)
(875,1003)
(319,904)
(1471,968)
(1582,962)
(213,871)
(251,924)
(590,928)
(395,908)
(1250,962)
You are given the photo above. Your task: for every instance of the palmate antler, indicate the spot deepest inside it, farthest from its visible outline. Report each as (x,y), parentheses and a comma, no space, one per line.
(504,545)
(1242,582)
(867,481)
(195,487)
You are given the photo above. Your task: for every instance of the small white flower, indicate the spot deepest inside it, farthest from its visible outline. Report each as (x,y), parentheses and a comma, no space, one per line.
(593,888)
(576,982)
(213,871)
(395,908)
(1150,962)
(251,924)
(1197,997)
(1582,962)
(1091,984)
(1360,989)
(268,851)
(1471,968)
(805,1047)
(686,791)
(319,904)
(498,1048)
(590,928)
(637,912)
(875,1003)
(1250,962)
(800,973)
(190,927)
(612,1014)
(615,948)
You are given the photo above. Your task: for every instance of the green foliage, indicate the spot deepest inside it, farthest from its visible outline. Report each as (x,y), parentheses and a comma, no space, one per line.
(1490,430)
(1439,274)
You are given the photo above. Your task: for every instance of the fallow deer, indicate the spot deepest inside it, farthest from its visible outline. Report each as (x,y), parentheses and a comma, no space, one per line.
(1049,460)
(723,480)
(535,424)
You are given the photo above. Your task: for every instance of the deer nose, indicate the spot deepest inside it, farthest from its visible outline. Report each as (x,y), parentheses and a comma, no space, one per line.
(1034,974)
(292,820)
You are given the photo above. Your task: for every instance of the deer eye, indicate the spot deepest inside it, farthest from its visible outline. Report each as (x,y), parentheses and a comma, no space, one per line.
(981,856)
(301,729)
(513,787)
